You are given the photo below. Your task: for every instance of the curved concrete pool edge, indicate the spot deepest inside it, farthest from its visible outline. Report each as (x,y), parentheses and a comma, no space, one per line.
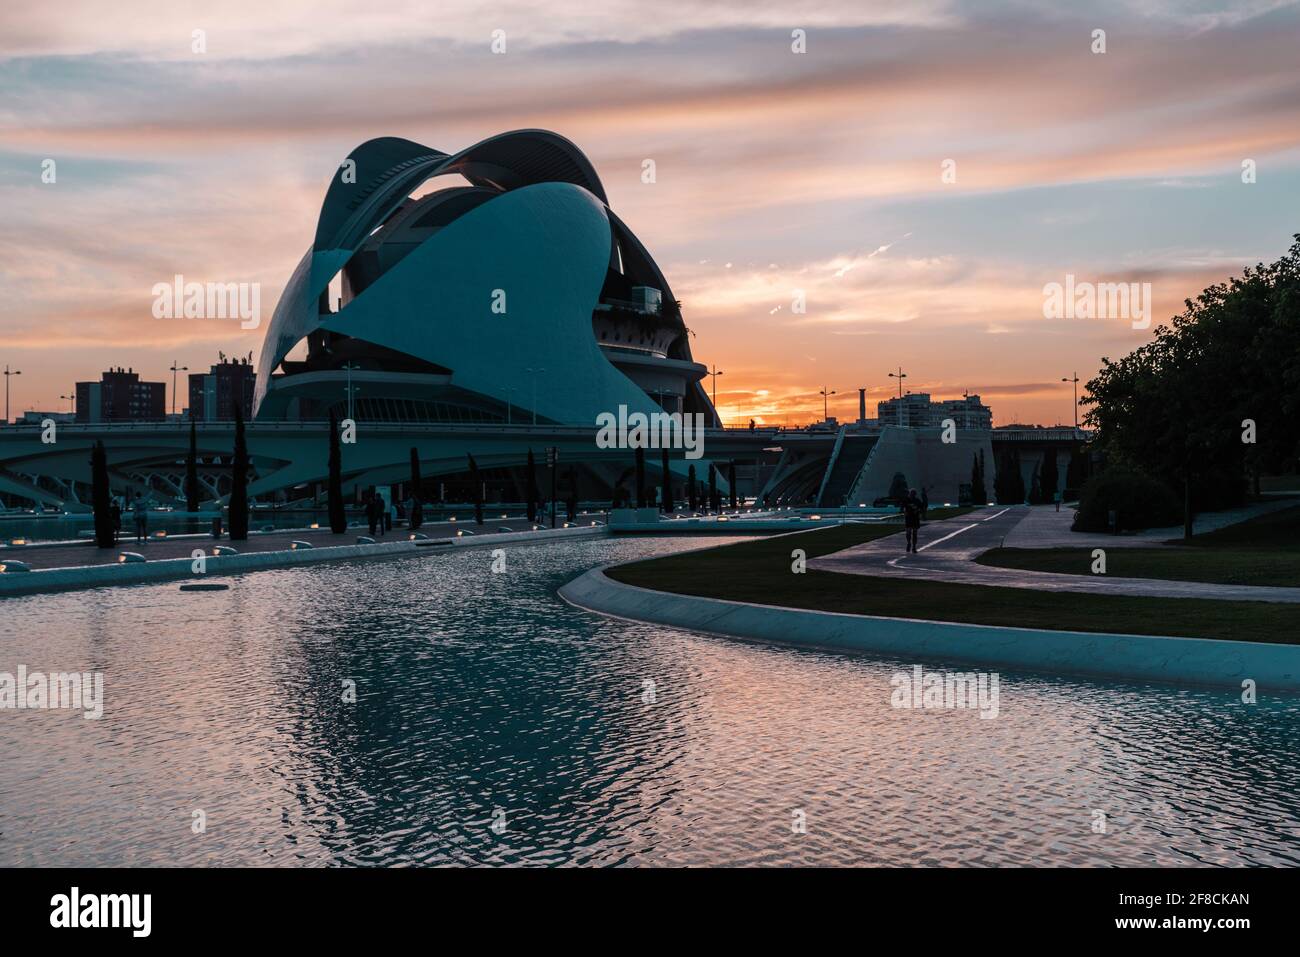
(39,581)
(1200,661)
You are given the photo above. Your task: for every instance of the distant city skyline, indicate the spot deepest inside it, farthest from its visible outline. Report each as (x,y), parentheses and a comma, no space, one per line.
(802,206)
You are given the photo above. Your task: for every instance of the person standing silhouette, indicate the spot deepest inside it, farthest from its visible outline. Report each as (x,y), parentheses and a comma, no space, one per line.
(141,514)
(912,518)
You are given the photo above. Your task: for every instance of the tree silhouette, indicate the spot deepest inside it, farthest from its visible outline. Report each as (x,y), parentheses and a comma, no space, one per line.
(105,533)
(978,493)
(898,487)
(334,484)
(532,488)
(192,470)
(416,518)
(1047,480)
(239,482)
(478,491)
(640,477)
(668,484)
(1176,408)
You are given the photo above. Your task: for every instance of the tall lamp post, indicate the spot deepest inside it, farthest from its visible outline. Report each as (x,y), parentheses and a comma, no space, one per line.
(7,375)
(715,373)
(176,368)
(350,367)
(534,373)
(826,415)
(71,399)
(1075,380)
(900,375)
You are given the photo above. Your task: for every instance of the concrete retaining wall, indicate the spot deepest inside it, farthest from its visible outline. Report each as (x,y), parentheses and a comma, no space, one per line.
(171,569)
(926,462)
(1133,657)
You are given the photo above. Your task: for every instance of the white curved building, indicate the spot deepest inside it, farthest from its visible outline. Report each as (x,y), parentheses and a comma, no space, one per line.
(519,297)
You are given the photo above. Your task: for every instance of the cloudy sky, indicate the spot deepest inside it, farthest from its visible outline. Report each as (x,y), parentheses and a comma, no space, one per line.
(776,171)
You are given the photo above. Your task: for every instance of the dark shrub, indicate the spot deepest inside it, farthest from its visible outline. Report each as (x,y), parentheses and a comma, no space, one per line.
(1140,501)
(898,487)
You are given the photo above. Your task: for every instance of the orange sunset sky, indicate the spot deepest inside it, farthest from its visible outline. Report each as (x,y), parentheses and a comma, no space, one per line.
(776,171)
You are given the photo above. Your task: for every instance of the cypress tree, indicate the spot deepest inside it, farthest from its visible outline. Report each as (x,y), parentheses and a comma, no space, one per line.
(1017,480)
(1047,483)
(416,518)
(978,493)
(731,481)
(898,487)
(100,497)
(532,487)
(640,477)
(714,499)
(239,482)
(334,488)
(668,484)
(692,490)
(478,491)
(192,470)
(571,503)
(1000,491)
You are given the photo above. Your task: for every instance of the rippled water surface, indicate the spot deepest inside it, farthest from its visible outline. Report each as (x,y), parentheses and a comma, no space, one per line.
(483,698)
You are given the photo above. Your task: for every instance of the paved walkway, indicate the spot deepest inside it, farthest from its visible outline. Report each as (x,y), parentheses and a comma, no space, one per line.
(947,552)
(78,554)
(1045,527)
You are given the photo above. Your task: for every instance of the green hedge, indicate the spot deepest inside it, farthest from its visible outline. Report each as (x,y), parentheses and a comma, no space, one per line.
(1140,501)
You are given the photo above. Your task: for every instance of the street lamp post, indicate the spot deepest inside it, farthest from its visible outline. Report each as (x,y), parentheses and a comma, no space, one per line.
(715,373)
(71,399)
(826,415)
(175,368)
(1075,380)
(900,375)
(7,375)
(350,367)
(534,373)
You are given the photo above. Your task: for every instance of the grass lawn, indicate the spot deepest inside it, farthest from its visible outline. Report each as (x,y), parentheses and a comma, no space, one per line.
(759,571)
(935,514)
(1262,551)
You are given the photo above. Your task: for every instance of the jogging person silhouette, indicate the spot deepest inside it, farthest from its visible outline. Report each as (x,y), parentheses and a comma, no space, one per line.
(912,518)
